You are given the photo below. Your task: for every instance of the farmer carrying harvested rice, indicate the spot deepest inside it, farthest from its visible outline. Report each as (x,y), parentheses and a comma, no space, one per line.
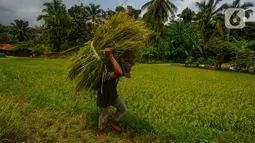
(107,93)
(93,70)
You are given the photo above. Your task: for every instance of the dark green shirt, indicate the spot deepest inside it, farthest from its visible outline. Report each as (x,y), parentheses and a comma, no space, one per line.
(107,91)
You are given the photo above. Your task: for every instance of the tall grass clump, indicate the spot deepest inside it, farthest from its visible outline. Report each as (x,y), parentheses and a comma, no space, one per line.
(9,119)
(122,34)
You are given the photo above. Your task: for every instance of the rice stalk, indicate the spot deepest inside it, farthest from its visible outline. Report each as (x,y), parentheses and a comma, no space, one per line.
(124,35)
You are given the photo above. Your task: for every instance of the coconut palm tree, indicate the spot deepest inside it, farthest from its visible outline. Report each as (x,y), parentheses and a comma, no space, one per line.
(94,13)
(55,21)
(158,12)
(19,29)
(54,11)
(206,11)
(219,23)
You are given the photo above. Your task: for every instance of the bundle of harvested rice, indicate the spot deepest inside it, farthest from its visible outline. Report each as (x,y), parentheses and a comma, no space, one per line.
(124,35)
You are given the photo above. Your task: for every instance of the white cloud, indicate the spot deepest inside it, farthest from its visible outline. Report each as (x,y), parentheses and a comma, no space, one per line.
(186,3)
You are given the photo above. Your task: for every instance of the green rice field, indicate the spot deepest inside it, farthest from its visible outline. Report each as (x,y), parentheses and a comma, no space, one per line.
(164,104)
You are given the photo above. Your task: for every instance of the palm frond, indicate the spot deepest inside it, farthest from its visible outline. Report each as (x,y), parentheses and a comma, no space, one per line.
(41,17)
(171,6)
(236,3)
(48,6)
(216,3)
(201,5)
(221,8)
(247,5)
(171,10)
(210,3)
(89,10)
(146,5)
(248,13)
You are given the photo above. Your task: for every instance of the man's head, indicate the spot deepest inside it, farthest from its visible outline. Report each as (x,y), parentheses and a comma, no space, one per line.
(126,67)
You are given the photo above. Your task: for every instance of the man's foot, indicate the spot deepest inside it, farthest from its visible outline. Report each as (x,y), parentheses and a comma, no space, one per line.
(101,135)
(114,126)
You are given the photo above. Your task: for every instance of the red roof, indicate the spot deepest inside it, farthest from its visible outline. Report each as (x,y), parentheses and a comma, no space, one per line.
(6,47)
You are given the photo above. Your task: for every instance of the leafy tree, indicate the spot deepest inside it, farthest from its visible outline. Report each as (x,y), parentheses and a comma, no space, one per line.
(56,23)
(218,49)
(36,35)
(79,31)
(157,13)
(184,39)
(4,34)
(120,9)
(135,13)
(248,32)
(94,13)
(241,58)
(109,13)
(3,28)
(78,12)
(187,15)
(19,29)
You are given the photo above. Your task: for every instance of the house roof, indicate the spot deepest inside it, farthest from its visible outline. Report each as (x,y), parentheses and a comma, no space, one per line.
(6,47)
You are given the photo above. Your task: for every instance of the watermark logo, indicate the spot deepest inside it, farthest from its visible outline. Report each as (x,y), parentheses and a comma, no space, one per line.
(235,18)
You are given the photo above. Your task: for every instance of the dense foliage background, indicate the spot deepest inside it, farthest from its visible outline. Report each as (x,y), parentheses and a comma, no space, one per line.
(192,38)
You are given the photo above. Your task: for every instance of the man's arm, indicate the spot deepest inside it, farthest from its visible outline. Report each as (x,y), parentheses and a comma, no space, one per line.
(117,69)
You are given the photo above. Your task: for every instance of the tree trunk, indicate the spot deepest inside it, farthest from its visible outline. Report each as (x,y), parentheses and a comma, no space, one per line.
(247,67)
(220,65)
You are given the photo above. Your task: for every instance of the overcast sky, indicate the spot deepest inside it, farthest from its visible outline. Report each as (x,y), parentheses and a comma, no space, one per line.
(30,9)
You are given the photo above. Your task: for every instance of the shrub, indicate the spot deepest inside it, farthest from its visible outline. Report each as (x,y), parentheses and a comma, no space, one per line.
(189,60)
(38,49)
(2,55)
(219,49)
(23,48)
(242,58)
(26,45)
(199,61)
(210,61)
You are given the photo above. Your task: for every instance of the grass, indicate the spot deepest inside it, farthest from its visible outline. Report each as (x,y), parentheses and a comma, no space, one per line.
(164,103)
